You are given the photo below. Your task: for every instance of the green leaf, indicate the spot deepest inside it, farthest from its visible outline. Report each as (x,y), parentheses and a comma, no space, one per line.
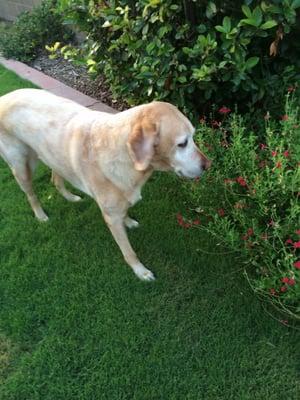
(182,79)
(246,10)
(251,62)
(227,24)
(295,4)
(269,24)
(220,28)
(257,16)
(211,9)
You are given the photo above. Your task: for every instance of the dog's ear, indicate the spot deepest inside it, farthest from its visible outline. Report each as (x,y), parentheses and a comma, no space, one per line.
(141,142)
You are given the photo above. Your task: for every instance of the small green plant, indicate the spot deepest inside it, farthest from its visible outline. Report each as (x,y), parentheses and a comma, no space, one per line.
(32,31)
(250,200)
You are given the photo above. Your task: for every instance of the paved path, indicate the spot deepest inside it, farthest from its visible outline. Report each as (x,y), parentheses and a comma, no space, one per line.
(54,86)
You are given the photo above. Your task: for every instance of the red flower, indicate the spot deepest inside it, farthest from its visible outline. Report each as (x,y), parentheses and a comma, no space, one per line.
(221,212)
(224,110)
(286,153)
(291,282)
(273,291)
(285,279)
(283,289)
(274,153)
(284,117)
(278,164)
(297,245)
(297,264)
(297,231)
(289,241)
(241,181)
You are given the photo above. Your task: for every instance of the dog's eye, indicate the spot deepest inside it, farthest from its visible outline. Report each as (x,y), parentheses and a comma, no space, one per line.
(183,144)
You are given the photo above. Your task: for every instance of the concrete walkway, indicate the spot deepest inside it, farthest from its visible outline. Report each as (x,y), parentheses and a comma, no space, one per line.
(54,86)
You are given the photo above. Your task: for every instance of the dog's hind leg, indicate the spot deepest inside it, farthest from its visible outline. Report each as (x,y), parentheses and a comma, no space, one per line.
(130,223)
(60,186)
(22,161)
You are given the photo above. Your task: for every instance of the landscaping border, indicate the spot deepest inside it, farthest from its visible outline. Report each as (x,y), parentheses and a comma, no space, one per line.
(54,86)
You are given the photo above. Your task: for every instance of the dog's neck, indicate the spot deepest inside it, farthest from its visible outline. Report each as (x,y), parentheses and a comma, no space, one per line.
(117,165)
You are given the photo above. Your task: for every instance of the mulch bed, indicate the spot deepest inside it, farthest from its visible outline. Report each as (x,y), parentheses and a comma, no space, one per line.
(77,77)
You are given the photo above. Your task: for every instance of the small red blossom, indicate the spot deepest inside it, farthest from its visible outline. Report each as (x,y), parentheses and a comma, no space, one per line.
(224,110)
(241,181)
(273,292)
(286,153)
(283,289)
(297,245)
(297,264)
(278,164)
(274,153)
(297,231)
(285,279)
(291,282)
(221,212)
(289,241)
(284,117)
(263,146)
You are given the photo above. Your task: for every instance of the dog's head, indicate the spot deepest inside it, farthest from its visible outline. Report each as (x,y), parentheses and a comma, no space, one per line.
(162,138)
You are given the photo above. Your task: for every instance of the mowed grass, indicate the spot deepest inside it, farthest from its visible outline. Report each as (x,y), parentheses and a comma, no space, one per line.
(75,323)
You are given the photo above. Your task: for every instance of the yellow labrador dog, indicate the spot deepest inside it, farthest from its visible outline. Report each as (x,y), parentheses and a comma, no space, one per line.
(107,156)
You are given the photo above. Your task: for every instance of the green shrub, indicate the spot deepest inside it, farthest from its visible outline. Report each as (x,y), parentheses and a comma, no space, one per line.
(249,200)
(32,31)
(192,53)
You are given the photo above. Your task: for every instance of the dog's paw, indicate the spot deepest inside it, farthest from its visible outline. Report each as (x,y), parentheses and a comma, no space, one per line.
(41,216)
(131,223)
(143,273)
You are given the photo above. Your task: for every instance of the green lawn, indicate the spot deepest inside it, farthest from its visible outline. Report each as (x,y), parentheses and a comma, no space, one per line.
(75,323)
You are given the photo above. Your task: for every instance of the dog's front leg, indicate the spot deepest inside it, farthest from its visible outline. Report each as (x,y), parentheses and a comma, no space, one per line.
(114,209)
(116,226)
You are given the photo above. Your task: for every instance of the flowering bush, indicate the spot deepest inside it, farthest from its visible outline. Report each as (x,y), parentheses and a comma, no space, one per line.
(250,200)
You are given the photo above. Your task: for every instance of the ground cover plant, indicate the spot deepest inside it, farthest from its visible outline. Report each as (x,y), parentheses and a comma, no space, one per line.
(253,191)
(76,324)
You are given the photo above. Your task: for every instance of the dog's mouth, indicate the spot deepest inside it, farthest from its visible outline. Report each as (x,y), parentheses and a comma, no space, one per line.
(179,173)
